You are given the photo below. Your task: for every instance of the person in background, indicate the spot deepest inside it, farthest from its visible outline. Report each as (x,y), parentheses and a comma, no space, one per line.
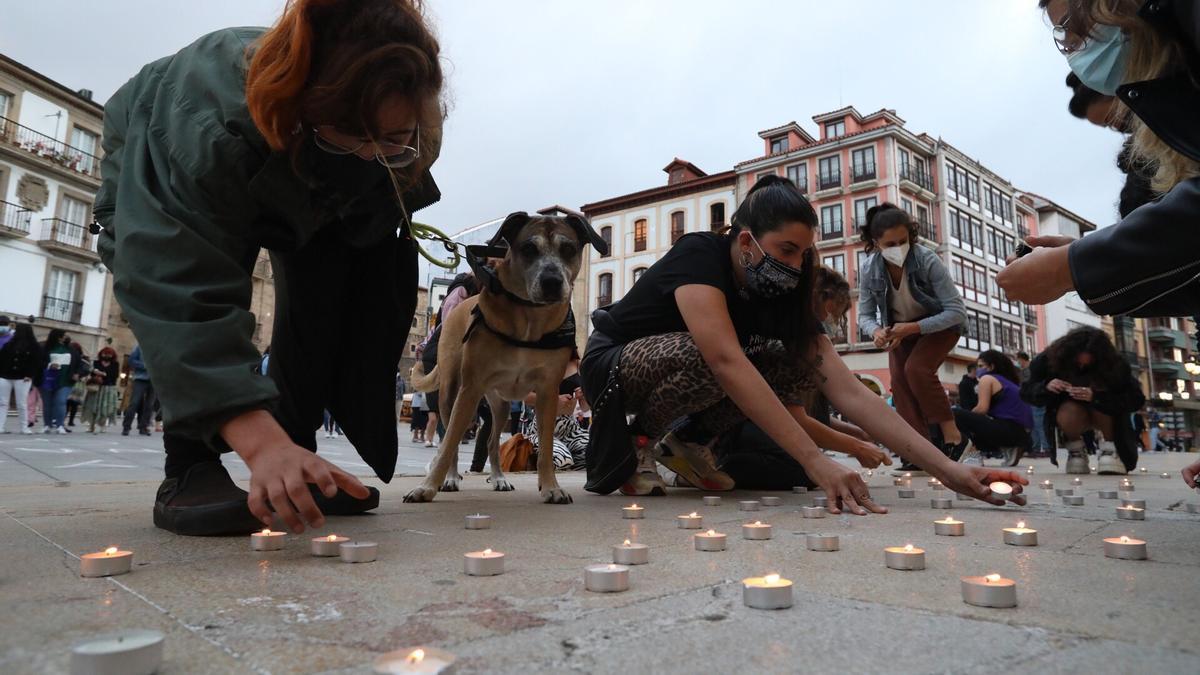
(463,287)
(332,430)
(100,404)
(418,417)
(57,380)
(1084,384)
(20,361)
(911,308)
(81,370)
(141,399)
(999,419)
(1039,444)
(967,398)
(570,440)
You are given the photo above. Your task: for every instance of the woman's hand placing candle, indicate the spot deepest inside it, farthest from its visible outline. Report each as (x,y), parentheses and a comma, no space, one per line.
(974,481)
(844,487)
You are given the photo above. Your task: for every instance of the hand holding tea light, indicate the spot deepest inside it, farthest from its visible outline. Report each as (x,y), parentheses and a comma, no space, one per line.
(992,590)
(633,512)
(768,592)
(485,563)
(267,540)
(629,553)
(710,541)
(413,661)
(949,527)
(756,530)
(1020,535)
(692,521)
(478,521)
(1125,548)
(905,557)
(107,563)
(327,547)
(1001,490)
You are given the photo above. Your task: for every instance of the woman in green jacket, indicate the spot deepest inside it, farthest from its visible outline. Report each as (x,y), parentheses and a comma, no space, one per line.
(312,139)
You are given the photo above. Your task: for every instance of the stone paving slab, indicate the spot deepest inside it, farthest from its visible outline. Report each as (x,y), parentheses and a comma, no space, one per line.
(227,609)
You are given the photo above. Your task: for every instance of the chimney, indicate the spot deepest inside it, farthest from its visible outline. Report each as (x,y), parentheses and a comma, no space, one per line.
(85,94)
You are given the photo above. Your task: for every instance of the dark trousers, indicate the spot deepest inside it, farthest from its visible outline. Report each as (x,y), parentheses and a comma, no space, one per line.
(481,437)
(916,390)
(990,434)
(141,404)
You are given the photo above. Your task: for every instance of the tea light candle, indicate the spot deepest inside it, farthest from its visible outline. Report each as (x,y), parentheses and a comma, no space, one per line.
(1125,548)
(267,540)
(906,493)
(131,652)
(1047,484)
(904,557)
(820,501)
(1029,471)
(949,527)
(822,542)
(606,578)
(1164,475)
(1143,469)
(692,521)
(327,547)
(992,590)
(1077,482)
(1126,486)
(1020,535)
(633,512)
(940,503)
(1136,503)
(631,554)
(359,551)
(812,511)
(413,660)
(1131,513)
(756,530)
(901,482)
(107,563)
(799,489)
(478,521)
(712,501)
(771,501)
(709,541)
(749,505)
(769,592)
(1064,492)
(1073,500)
(485,563)
(937,485)
(1108,494)
(1001,489)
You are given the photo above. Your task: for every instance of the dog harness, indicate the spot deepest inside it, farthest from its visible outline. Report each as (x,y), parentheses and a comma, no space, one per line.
(563,336)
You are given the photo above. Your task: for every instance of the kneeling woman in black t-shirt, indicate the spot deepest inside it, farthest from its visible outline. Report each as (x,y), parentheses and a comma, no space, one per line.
(721,329)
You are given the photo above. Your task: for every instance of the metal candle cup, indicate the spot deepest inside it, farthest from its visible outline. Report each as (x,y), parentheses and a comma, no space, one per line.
(485,563)
(1046,484)
(771,501)
(413,660)
(107,563)
(133,652)
(692,521)
(1076,482)
(1125,486)
(633,512)
(1001,489)
(631,554)
(1073,500)
(478,521)
(1134,502)
(1064,492)
(749,505)
(710,541)
(1164,475)
(359,551)
(812,511)
(1020,535)
(906,493)
(936,484)
(327,547)
(756,530)
(712,501)
(1130,513)
(905,557)
(799,489)
(1108,494)
(949,527)
(820,501)
(267,540)
(992,590)
(941,503)
(1125,548)
(769,592)
(606,578)
(822,542)
(901,482)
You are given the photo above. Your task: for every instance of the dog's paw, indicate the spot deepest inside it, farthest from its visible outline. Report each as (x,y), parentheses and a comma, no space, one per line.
(556,496)
(501,484)
(420,494)
(451,484)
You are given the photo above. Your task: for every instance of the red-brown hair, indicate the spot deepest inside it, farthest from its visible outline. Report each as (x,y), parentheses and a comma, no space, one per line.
(337,62)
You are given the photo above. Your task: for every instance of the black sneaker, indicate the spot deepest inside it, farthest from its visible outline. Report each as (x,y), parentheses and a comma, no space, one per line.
(342,504)
(124,432)
(204,501)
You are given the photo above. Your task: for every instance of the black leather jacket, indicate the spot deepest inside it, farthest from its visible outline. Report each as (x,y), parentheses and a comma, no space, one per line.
(1147,265)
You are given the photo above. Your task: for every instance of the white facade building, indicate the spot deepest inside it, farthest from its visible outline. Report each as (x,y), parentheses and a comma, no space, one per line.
(1069,311)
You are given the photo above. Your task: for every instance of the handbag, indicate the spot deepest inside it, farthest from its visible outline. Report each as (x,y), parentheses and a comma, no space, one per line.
(516,454)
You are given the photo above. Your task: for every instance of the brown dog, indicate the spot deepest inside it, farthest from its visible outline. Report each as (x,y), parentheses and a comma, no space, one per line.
(515,337)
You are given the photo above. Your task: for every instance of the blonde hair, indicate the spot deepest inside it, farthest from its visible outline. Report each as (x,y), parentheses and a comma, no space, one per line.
(1152,55)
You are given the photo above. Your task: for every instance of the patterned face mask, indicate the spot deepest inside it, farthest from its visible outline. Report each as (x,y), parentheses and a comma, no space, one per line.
(770,278)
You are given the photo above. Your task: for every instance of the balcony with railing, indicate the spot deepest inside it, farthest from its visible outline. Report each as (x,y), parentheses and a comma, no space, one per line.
(14,220)
(917,177)
(1031,316)
(832,230)
(603,300)
(862,172)
(54,151)
(828,181)
(61,309)
(926,229)
(67,238)
(801,184)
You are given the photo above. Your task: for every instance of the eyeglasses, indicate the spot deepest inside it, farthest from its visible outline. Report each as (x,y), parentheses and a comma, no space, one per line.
(391,155)
(1066,40)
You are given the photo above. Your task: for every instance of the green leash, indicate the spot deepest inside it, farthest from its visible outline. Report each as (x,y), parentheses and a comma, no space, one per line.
(421,231)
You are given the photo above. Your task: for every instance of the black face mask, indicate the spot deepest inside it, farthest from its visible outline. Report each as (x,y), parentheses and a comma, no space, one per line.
(346,175)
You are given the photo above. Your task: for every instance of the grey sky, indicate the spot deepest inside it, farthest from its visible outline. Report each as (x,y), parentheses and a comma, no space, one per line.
(570,102)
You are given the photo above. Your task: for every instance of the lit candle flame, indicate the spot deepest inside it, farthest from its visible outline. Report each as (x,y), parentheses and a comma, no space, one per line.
(908,475)
(332,537)
(111,550)
(417,656)
(626,543)
(992,578)
(771,578)
(633,506)
(908,548)
(487,551)
(758,522)
(1020,524)
(711,532)
(266,530)
(1124,539)
(693,514)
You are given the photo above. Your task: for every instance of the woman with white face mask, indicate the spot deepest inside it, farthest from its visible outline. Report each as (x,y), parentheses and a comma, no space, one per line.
(909,305)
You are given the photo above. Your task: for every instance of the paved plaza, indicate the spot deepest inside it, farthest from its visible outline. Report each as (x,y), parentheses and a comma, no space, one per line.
(226,609)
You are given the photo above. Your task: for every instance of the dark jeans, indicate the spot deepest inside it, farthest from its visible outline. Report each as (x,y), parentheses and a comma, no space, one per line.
(990,434)
(141,403)
(481,437)
(755,462)
(54,405)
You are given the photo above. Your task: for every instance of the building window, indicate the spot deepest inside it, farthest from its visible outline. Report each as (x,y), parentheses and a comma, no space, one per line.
(639,234)
(831,221)
(604,297)
(858,263)
(798,174)
(924,224)
(837,263)
(716,216)
(835,129)
(763,175)
(606,235)
(86,142)
(907,205)
(677,226)
(70,227)
(830,170)
(861,206)
(5,103)
(637,273)
(779,145)
(903,161)
(862,162)
(59,302)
